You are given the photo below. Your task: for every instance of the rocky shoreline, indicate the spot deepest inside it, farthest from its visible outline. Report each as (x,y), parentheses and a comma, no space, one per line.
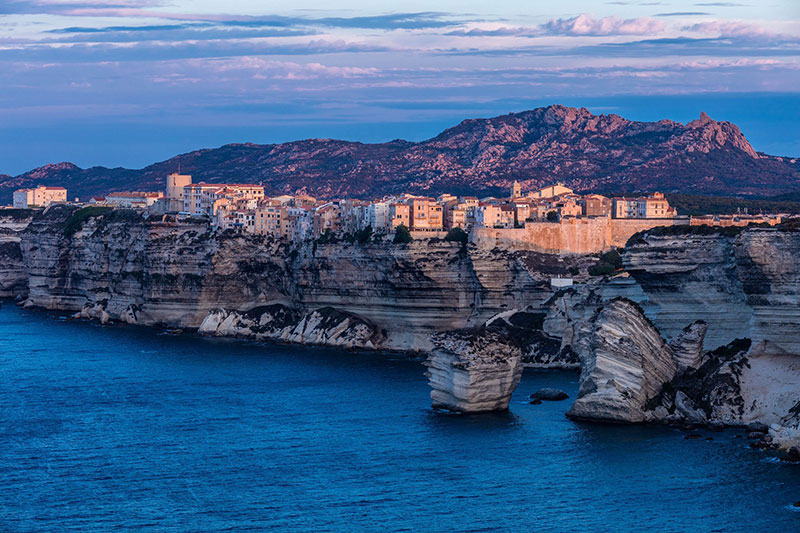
(695,330)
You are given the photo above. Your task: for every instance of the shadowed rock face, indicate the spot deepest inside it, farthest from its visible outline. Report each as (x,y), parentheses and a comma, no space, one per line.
(13,281)
(630,374)
(593,152)
(473,372)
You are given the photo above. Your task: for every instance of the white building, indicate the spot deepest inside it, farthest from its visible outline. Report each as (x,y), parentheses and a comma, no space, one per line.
(41,196)
(377,215)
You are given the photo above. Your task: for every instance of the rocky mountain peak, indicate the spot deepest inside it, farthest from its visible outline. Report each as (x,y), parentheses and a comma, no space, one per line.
(708,134)
(700,122)
(603,153)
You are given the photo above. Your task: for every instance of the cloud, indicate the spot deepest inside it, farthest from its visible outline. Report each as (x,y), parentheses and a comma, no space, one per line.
(502,31)
(140,8)
(585,24)
(168,32)
(261,68)
(730,28)
(682,14)
(721,4)
(163,51)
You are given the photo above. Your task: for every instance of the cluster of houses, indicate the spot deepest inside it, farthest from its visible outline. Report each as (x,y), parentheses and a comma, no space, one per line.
(246,208)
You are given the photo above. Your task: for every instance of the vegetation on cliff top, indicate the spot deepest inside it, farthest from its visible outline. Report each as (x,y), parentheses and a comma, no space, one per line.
(79,216)
(402,235)
(685,229)
(608,263)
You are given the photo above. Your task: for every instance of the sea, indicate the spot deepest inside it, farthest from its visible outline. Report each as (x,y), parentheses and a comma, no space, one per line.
(134,429)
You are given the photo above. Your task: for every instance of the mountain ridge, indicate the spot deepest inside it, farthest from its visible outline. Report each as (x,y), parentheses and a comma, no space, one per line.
(602,153)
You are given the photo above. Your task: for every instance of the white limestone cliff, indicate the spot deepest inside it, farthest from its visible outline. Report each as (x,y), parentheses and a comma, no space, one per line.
(472,372)
(325,326)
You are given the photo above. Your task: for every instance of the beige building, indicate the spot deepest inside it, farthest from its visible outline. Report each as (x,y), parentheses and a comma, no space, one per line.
(204,198)
(135,199)
(426,214)
(399,215)
(595,205)
(655,206)
(495,216)
(550,191)
(41,196)
(271,218)
(569,208)
(455,216)
(327,217)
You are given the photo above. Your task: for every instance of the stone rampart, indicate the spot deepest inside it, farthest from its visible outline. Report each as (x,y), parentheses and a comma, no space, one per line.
(571,235)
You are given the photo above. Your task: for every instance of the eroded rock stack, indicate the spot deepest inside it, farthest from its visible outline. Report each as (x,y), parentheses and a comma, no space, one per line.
(473,371)
(627,364)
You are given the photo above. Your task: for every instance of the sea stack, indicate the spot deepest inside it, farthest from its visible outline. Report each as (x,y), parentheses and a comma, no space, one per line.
(471,372)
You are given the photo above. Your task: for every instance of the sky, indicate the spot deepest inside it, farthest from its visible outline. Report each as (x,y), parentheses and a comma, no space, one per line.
(131,82)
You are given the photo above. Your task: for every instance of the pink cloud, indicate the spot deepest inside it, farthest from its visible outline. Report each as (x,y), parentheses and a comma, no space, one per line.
(585,24)
(731,28)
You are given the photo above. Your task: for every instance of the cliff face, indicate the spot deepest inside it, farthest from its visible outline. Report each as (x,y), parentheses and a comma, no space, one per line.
(325,326)
(481,314)
(745,285)
(536,147)
(13,281)
(155,272)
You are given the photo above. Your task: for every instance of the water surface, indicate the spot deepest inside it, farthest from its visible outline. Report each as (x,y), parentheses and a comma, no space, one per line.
(123,427)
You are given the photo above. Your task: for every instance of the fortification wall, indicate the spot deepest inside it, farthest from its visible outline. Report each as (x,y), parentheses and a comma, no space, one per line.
(571,235)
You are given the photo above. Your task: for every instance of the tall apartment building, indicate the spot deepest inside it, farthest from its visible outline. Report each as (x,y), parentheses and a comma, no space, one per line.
(595,205)
(426,214)
(655,206)
(399,215)
(271,218)
(377,215)
(455,215)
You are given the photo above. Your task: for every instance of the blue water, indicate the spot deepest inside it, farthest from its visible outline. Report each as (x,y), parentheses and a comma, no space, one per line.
(121,427)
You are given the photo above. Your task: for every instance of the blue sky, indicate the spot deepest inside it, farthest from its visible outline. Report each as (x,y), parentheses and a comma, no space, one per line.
(130,82)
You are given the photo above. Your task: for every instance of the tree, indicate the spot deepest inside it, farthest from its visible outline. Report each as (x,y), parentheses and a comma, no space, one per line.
(552,216)
(457,235)
(402,235)
(364,235)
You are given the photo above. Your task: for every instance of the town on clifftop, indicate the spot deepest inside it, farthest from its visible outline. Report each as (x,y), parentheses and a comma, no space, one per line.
(553,218)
